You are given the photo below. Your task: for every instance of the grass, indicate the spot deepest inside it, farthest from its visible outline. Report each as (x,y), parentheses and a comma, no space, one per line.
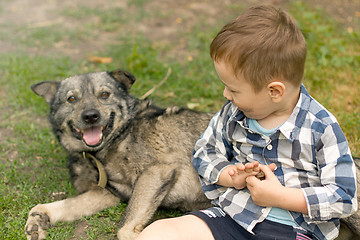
(33,165)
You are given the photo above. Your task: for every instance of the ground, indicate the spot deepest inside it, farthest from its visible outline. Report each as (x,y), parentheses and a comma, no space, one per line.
(39,13)
(171,20)
(17,14)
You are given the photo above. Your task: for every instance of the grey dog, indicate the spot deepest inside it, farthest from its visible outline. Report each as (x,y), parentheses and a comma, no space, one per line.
(122,148)
(144,152)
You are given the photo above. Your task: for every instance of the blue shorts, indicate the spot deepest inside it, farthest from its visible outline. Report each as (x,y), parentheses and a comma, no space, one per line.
(223,227)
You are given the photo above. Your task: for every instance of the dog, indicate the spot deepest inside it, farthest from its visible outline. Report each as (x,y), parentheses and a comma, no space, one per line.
(122,148)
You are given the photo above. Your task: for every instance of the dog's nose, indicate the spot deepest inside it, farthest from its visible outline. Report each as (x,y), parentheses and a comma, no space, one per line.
(91,116)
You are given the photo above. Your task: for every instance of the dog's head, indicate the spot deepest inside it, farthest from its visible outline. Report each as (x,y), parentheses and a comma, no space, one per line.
(86,110)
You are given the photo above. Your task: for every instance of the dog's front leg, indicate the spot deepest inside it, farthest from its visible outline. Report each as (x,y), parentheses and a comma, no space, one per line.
(42,216)
(150,189)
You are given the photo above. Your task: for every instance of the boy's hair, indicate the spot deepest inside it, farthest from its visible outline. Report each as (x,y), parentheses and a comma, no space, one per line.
(262,43)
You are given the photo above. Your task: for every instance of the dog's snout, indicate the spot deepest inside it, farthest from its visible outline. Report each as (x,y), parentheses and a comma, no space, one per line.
(91,116)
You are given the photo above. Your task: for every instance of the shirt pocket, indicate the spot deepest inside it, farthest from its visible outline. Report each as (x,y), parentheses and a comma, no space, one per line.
(245,152)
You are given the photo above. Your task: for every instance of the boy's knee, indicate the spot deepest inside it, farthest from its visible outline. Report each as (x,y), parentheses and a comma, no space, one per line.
(179,228)
(158,230)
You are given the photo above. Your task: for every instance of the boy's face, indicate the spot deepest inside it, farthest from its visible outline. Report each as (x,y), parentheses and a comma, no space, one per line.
(257,106)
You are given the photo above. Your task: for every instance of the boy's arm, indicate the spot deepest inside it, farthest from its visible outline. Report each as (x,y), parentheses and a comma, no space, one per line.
(336,197)
(224,177)
(212,151)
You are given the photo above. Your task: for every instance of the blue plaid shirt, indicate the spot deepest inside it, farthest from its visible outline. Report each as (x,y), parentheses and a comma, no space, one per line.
(310,152)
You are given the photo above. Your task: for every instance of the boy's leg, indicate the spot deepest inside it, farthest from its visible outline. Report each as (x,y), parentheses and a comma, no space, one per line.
(188,227)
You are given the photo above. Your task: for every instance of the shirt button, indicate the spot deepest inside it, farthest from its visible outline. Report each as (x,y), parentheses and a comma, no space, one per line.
(269,147)
(263,210)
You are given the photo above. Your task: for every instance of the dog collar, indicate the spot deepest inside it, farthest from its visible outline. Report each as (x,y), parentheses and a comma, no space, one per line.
(102,174)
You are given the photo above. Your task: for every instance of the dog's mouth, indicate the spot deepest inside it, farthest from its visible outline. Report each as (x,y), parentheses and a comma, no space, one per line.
(94,135)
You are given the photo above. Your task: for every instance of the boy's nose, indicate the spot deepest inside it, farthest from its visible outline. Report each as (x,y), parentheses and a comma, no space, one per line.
(226,94)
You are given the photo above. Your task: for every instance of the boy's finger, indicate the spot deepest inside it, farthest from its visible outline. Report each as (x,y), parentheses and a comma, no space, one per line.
(248,169)
(272,166)
(231,172)
(240,167)
(251,181)
(251,167)
(267,170)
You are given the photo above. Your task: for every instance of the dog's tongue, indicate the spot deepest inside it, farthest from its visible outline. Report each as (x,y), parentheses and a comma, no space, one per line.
(92,136)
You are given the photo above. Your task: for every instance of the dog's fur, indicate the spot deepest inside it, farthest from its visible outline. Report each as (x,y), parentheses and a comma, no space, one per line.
(145,151)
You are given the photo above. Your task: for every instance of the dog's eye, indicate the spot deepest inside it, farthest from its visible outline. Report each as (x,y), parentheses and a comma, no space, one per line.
(71,99)
(105,95)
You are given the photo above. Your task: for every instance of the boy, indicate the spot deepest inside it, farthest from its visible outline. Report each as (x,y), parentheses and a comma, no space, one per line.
(269,124)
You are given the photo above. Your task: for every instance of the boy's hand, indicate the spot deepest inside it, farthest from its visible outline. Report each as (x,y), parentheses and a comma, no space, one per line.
(240,172)
(265,193)
(270,192)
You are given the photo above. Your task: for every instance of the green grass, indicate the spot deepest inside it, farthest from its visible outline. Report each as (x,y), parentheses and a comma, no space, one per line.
(332,69)
(33,165)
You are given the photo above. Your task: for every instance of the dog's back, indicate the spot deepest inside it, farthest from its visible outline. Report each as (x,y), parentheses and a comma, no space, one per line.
(144,152)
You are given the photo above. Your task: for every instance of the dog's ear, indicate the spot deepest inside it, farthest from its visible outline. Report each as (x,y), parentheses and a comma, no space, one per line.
(46,89)
(126,78)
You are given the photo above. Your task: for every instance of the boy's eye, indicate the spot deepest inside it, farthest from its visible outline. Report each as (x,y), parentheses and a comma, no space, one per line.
(230,90)
(235,91)
(105,95)
(71,99)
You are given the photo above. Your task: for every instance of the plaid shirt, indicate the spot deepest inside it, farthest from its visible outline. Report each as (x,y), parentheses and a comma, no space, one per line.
(310,152)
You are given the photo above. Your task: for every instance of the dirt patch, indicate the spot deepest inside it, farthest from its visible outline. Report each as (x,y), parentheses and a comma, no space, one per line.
(173,18)
(346,12)
(80,231)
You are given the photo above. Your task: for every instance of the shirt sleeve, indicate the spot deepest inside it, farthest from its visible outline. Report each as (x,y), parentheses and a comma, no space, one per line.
(336,197)
(212,151)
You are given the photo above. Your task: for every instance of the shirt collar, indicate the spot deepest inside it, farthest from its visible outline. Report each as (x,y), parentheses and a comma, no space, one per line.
(291,128)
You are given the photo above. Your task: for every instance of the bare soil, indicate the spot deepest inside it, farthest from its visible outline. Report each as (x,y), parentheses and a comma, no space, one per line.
(38,13)
(15,15)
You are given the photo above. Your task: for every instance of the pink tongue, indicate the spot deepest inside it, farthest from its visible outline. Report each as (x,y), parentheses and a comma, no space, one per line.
(92,136)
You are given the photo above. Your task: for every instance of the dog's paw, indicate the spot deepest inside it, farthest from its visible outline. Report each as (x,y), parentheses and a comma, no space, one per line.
(127,234)
(172,110)
(36,226)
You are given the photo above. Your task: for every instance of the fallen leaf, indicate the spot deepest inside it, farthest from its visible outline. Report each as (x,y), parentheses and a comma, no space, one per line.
(192,105)
(170,94)
(96,59)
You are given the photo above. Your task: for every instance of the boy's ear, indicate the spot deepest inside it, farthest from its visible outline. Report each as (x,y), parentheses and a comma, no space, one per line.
(276,90)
